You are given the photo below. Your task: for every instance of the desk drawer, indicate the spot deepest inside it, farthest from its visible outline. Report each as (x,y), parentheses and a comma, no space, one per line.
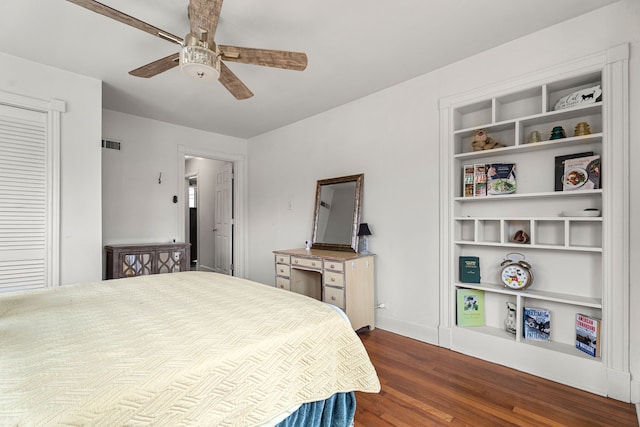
(283,270)
(334,296)
(283,283)
(333,279)
(283,259)
(334,265)
(310,263)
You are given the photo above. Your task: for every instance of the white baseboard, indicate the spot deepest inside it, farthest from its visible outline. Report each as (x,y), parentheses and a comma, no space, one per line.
(411,330)
(635,394)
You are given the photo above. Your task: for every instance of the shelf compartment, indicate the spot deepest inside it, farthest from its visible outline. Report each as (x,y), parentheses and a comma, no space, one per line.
(519,104)
(584,232)
(473,115)
(504,133)
(550,232)
(556,90)
(570,299)
(512,226)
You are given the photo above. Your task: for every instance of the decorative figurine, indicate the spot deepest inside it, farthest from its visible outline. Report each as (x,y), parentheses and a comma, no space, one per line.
(482,141)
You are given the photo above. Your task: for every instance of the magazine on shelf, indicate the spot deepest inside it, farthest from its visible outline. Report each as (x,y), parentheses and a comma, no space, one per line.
(467,181)
(582,173)
(537,324)
(559,167)
(480,180)
(588,334)
(501,178)
(470,307)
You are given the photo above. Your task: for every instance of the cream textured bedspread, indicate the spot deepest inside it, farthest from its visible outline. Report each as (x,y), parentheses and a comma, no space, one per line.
(188,348)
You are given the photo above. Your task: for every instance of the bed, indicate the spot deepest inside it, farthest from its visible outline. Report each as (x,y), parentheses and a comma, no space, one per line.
(190,348)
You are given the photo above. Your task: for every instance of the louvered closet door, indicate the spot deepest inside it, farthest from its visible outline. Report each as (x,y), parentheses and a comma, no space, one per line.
(23,198)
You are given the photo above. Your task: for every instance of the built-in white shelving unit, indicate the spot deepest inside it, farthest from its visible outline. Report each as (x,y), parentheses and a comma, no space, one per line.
(579,262)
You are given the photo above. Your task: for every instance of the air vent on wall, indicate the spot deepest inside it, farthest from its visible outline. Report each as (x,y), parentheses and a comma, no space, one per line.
(113,145)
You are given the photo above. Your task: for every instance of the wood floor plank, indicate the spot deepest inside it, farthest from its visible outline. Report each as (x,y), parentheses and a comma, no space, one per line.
(426,385)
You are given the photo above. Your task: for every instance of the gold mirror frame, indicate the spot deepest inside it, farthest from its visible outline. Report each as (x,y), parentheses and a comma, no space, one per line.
(319,242)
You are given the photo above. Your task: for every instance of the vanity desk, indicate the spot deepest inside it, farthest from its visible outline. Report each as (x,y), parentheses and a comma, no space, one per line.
(344,279)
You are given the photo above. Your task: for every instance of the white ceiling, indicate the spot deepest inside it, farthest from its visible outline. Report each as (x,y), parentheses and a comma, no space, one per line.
(355,48)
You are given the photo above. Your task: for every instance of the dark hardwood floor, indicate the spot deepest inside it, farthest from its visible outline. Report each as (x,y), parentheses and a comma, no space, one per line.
(425,385)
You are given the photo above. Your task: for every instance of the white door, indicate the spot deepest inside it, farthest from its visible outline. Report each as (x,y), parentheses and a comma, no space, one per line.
(223,231)
(24,199)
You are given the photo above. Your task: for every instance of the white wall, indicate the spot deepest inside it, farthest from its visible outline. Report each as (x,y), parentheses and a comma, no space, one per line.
(392,136)
(80,201)
(136,208)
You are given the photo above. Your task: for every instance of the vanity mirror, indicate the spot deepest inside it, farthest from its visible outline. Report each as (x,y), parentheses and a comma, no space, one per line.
(337,213)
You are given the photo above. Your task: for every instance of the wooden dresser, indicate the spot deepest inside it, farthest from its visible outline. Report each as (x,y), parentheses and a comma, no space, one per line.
(149,258)
(344,279)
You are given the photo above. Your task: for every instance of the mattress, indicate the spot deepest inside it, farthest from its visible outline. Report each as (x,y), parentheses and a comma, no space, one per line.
(190,348)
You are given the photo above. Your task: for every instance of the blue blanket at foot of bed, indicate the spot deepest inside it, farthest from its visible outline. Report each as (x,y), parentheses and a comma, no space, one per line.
(336,411)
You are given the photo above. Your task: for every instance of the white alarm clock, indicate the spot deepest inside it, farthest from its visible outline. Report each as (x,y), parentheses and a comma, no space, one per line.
(516,274)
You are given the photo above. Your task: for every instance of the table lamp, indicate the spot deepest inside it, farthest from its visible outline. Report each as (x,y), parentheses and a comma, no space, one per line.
(363,233)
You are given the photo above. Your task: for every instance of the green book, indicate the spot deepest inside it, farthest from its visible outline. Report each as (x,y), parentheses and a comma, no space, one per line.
(470,307)
(469,269)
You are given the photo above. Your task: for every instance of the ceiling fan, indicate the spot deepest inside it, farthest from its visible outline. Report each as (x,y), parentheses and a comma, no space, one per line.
(200,56)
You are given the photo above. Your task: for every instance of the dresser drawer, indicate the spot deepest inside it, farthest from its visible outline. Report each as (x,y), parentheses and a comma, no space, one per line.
(333,279)
(334,296)
(283,270)
(333,265)
(283,259)
(311,263)
(283,283)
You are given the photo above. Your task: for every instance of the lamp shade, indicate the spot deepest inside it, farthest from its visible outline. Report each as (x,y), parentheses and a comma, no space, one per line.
(364,230)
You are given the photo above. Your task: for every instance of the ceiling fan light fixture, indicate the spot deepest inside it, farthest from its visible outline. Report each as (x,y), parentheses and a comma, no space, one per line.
(200,63)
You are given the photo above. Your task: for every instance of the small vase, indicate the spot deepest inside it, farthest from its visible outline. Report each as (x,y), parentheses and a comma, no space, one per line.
(510,320)
(534,136)
(582,128)
(557,133)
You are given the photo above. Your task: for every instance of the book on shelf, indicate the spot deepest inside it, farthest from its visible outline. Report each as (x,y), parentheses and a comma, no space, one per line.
(480,179)
(501,178)
(581,173)
(470,307)
(467,181)
(469,269)
(537,324)
(588,334)
(559,167)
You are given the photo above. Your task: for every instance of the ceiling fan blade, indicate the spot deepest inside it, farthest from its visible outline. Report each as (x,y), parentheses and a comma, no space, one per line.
(204,15)
(156,67)
(233,83)
(265,57)
(126,19)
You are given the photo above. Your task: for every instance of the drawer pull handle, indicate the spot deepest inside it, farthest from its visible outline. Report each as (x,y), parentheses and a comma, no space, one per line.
(333,298)
(333,279)
(333,266)
(313,264)
(281,270)
(296,261)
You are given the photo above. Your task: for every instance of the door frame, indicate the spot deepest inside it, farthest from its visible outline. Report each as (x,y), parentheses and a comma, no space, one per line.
(239,255)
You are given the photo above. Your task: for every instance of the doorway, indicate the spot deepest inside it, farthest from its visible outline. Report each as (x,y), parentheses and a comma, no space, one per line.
(209,213)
